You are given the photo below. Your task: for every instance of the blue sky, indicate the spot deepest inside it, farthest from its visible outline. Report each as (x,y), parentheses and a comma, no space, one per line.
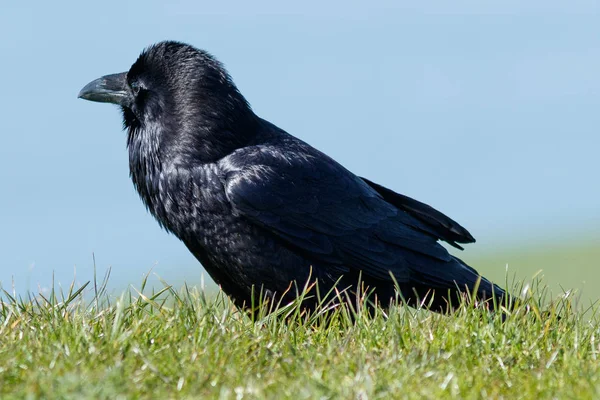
(487,111)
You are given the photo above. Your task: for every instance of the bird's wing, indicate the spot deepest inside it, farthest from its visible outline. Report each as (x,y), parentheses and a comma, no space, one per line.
(446,228)
(329,214)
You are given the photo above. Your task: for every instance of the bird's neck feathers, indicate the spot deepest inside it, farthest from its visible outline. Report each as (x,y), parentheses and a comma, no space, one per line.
(202,126)
(190,132)
(145,161)
(213,125)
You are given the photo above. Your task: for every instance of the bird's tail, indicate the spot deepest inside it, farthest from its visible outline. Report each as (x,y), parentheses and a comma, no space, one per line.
(479,285)
(446,288)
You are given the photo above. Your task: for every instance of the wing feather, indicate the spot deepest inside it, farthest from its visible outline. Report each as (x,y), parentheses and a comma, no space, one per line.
(329,214)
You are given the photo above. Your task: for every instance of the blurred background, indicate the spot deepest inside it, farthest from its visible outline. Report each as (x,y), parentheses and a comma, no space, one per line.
(488,111)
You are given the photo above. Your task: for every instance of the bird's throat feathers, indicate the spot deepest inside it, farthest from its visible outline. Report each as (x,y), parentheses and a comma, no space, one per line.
(145,164)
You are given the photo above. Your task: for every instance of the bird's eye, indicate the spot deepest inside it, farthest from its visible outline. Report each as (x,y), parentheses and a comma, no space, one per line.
(135,87)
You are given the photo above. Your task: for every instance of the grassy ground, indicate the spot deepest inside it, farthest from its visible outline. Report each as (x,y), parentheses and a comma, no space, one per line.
(178,344)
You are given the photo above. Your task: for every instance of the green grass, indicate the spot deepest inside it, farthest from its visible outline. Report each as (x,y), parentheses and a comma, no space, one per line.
(179,344)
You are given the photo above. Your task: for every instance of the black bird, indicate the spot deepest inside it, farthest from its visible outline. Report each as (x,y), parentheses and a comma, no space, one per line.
(261,209)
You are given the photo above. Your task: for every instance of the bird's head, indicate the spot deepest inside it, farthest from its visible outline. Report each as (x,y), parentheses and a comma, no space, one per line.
(179,98)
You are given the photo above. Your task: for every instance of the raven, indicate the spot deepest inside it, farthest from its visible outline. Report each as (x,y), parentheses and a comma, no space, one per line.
(261,209)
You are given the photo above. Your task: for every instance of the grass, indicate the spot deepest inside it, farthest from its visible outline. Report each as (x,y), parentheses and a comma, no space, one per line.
(181,344)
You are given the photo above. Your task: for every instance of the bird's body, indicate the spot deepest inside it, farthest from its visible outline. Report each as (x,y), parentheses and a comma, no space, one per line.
(261,209)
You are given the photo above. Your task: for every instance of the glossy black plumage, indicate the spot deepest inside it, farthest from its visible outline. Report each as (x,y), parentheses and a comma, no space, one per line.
(260,208)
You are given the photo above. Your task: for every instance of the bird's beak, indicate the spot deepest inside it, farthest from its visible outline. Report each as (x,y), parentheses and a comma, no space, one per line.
(107,89)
